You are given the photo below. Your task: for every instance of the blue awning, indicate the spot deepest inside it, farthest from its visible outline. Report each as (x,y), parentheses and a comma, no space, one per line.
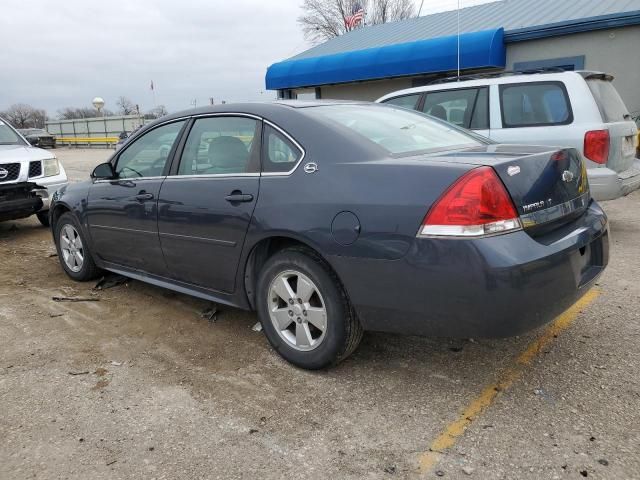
(477,50)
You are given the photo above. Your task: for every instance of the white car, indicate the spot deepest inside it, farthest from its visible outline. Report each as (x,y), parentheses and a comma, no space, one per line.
(28,177)
(580,109)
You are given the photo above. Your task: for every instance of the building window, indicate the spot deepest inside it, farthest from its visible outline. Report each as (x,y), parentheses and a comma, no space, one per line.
(565,63)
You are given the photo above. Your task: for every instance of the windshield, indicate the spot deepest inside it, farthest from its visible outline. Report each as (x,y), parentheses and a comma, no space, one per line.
(397,130)
(8,136)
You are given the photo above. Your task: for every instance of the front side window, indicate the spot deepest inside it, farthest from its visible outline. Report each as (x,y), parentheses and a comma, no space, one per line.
(535,104)
(221,145)
(398,131)
(407,101)
(460,106)
(280,154)
(148,154)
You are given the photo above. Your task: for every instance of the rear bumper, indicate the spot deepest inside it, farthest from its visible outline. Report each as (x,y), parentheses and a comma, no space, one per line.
(606,184)
(493,287)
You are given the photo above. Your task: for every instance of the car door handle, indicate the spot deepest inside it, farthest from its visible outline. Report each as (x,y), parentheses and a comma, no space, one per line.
(144,196)
(238,197)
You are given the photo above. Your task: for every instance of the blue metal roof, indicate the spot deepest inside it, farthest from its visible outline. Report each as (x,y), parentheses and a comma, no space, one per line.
(520,19)
(424,44)
(477,50)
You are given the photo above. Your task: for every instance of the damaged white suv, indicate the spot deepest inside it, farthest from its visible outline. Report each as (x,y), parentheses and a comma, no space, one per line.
(28,177)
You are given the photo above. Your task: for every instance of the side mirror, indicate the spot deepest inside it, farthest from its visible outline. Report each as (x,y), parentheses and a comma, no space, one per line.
(104,171)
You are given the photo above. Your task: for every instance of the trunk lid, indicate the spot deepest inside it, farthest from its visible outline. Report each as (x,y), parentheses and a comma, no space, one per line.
(549,187)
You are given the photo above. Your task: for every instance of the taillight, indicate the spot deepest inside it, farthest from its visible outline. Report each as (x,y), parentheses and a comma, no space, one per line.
(596,146)
(476,204)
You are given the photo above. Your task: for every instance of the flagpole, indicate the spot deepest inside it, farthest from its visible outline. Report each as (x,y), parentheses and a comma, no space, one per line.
(458,40)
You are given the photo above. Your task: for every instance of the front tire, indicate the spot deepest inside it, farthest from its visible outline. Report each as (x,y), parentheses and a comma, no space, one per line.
(43,218)
(73,249)
(304,310)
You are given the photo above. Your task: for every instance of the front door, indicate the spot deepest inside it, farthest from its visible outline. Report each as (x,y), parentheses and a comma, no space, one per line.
(123,212)
(205,207)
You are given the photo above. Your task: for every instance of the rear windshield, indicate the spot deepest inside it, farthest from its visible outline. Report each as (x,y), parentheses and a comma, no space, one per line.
(611,106)
(397,130)
(8,136)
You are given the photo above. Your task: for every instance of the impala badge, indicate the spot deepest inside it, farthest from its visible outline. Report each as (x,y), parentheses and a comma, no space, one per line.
(3,173)
(567,176)
(513,171)
(310,167)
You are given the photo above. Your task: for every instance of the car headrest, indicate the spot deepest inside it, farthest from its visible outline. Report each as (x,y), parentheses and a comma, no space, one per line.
(438,111)
(228,152)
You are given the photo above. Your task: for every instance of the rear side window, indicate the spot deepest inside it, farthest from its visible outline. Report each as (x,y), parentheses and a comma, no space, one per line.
(220,146)
(408,101)
(280,154)
(467,108)
(611,106)
(535,104)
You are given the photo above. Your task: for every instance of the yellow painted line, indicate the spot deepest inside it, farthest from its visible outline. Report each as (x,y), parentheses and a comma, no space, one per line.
(452,432)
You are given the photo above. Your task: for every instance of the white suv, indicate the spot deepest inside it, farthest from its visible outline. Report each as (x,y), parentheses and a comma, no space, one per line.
(581,109)
(28,177)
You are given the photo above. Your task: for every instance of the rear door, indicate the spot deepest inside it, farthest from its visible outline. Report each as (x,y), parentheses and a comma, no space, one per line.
(207,202)
(464,107)
(616,118)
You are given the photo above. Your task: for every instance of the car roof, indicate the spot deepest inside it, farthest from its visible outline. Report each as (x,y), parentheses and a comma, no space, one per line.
(253,108)
(496,79)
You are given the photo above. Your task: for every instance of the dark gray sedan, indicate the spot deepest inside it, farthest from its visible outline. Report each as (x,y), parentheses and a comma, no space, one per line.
(332,218)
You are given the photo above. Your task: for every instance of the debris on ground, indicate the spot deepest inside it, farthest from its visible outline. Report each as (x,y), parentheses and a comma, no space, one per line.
(467,470)
(257,327)
(116,364)
(54,315)
(439,473)
(75,299)
(210,313)
(391,469)
(111,462)
(84,372)
(109,281)
(52,255)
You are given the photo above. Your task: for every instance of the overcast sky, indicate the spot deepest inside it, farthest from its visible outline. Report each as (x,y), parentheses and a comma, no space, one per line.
(59,54)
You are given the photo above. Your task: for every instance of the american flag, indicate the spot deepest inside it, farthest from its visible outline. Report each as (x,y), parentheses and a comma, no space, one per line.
(356,17)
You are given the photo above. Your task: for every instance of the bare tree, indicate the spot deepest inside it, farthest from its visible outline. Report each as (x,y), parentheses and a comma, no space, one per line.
(157,112)
(125,106)
(21,115)
(73,113)
(325,19)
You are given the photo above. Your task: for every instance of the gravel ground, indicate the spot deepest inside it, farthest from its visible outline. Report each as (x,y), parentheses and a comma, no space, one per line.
(139,385)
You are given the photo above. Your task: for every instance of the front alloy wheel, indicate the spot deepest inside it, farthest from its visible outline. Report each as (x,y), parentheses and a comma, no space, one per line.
(71,248)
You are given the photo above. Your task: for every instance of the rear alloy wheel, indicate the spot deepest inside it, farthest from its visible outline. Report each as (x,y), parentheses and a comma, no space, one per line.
(73,250)
(304,311)
(297,311)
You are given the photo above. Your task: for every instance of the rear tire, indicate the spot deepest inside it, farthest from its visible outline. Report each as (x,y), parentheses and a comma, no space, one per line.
(43,218)
(304,311)
(73,249)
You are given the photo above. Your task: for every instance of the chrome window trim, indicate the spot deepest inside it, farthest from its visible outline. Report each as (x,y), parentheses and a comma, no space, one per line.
(214,175)
(297,145)
(226,175)
(553,213)
(127,179)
